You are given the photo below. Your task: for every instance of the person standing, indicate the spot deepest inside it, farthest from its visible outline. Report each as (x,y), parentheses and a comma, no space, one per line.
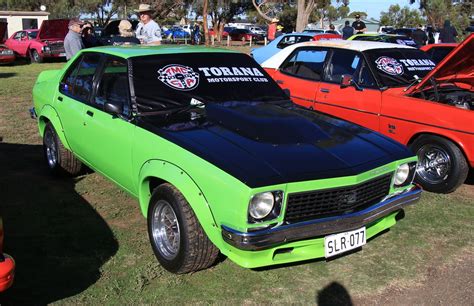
(73,40)
(196,34)
(148,31)
(359,25)
(272,28)
(347,31)
(431,39)
(88,36)
(419,36)
(332,29)
(126,35)
(448,33)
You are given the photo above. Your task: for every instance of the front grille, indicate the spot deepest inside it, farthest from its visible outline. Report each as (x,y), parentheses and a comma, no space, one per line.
(56,47)
(336,201)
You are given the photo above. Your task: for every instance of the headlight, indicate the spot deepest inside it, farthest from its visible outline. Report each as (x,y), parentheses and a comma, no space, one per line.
(46,49)
(261,205)
(6,52)
(404,174)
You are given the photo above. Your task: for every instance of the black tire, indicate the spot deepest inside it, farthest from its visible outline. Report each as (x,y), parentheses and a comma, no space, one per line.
(442,166)
(59,160)
(193,251)
(36,57)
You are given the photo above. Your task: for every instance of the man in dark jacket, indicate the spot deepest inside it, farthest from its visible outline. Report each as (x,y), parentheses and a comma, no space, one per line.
(448,33)
(419,36)
(347,30)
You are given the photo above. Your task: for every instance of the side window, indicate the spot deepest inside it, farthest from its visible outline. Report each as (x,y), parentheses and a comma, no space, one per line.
(18,35)
(364,76)
(113,86)
(342,62)
(77,82)
(82,87)
(305,63)
(290,40)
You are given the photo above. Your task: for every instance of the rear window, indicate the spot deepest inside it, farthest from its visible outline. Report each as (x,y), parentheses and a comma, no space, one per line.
(399,67)
(176,79)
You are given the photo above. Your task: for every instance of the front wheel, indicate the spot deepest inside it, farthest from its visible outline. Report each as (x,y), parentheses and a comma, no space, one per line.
(177,238)
(442,166)
(36,57)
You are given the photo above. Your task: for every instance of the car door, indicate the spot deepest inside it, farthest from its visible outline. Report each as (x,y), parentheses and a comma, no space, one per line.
(16,44)
(359,103)
(301,73)
(108,137)
(74,92)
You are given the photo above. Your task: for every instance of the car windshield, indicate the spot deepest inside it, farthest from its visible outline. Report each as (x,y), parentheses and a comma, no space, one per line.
(32,35)
(176,80)
(399,66)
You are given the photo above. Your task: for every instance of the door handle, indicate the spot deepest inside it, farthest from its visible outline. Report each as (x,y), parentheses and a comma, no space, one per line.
(279,82)
(90,113)
(60,98)
(325,90)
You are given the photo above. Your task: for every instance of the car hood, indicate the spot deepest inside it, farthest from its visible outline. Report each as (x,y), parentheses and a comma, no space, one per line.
(265,144)
(53,29)
(457,66)
(3,30)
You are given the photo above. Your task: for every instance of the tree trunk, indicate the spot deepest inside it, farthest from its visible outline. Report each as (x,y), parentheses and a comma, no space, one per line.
(204,22)
(305,7)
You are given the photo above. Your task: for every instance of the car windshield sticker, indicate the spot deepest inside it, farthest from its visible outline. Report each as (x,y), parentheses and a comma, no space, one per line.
(418,64)
(179,77)
(389,65)
(232,74)
(355,62)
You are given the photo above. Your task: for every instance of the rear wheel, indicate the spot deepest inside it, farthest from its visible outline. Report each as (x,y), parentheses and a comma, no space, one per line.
(59,159)
(442,166)
(177,238)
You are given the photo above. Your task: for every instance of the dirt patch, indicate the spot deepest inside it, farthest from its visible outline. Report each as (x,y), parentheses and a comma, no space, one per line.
(450,284)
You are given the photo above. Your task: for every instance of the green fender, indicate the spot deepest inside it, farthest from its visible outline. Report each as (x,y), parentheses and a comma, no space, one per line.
(48,113)
(170,173)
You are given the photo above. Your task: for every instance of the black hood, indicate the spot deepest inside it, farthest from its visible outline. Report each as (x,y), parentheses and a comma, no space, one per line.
(264,144)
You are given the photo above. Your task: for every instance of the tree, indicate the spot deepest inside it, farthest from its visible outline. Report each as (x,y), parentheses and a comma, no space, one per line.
(304,8)
(400,17)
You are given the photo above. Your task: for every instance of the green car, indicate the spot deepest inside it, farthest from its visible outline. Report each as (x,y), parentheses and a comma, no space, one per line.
(387,38)
(218,157)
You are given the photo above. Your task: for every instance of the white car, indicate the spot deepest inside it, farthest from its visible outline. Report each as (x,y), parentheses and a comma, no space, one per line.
(258,30)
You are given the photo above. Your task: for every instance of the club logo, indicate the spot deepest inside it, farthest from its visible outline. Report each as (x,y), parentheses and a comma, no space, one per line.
(179,77)
(389,65)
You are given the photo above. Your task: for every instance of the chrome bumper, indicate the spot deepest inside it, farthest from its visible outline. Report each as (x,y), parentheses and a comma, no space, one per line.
(268,238)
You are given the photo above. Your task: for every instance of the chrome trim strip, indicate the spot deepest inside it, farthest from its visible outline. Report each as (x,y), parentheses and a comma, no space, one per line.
(268,238)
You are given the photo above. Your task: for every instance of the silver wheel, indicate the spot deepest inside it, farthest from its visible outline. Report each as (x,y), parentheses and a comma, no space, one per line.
(434,164)
(165,230)
(51,149)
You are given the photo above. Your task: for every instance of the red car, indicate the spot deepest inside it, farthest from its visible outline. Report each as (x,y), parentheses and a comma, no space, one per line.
(438,51)
(47,42)
(7,265)
(6,55)
(244,35)
(393,89)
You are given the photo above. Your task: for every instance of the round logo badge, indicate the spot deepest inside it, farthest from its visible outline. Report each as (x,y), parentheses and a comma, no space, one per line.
(179,77)
(389,65)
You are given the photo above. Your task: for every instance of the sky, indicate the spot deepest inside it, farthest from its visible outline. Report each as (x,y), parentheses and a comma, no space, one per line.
(374,7)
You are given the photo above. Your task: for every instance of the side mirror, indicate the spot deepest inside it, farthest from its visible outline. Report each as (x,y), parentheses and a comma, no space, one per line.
(113,109)
(346,80)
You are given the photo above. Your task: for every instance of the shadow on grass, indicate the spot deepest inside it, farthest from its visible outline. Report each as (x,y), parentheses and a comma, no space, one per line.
(57,239)
(7,75)
(333,295)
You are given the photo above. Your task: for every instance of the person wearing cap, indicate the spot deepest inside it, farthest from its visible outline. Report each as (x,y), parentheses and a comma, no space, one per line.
(73,40)
(148,31)
(279,31)
(272,28)
(126,35)
(359,25)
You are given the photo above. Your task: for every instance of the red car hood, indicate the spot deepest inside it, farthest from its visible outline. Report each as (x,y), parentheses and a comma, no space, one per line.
(457,66)
(53,29)
(3,30)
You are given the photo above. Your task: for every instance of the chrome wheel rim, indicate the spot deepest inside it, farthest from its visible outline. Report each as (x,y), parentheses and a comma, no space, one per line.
(165,230)
(434,164)
(35,56)
(51,149)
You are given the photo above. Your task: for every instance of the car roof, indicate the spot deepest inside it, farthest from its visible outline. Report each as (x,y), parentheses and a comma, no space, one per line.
(356,45)
(128,51)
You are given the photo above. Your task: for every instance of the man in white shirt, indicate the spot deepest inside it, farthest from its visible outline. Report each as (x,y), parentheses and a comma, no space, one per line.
(148,31)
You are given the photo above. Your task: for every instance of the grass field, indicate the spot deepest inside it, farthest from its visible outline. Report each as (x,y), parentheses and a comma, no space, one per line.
(84,240)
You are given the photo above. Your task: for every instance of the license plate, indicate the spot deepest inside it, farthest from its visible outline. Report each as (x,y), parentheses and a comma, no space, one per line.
(343,242)
(62,54)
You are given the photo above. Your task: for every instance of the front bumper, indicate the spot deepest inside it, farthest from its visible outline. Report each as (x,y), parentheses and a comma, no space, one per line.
(269,238)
